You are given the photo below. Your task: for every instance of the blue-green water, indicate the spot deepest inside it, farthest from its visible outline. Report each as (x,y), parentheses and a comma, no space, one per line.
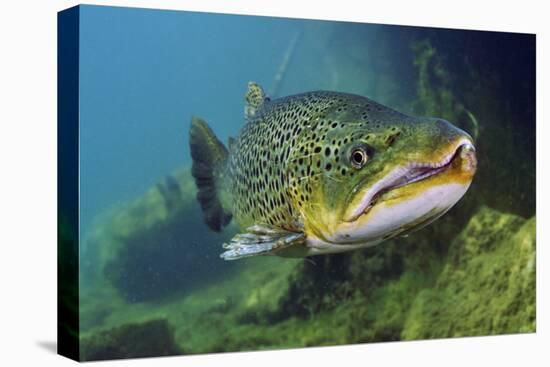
(145,253)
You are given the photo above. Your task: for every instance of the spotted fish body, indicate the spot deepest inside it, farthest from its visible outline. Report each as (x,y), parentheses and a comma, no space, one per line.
(276,155)
(321,172)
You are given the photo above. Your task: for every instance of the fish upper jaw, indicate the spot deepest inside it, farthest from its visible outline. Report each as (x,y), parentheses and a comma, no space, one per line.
(462,151)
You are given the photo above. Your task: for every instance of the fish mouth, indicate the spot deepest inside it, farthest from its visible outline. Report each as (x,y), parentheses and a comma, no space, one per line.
(413,172)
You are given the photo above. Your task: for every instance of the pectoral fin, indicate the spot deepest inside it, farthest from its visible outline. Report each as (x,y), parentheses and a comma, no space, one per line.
(261,240)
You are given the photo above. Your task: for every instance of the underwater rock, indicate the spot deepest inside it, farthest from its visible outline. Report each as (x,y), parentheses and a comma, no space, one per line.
(487,285)
(149,339)
(158,245)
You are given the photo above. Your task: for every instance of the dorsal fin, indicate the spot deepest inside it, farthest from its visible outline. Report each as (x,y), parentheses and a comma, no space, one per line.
(255,97)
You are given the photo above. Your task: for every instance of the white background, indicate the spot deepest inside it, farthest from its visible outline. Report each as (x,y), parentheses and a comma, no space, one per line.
(28,183)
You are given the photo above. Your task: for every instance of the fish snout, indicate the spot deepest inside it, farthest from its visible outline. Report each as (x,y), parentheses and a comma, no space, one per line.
(465,159)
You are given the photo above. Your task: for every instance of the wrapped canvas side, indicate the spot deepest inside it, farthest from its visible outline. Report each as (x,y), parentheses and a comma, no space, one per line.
(68,183)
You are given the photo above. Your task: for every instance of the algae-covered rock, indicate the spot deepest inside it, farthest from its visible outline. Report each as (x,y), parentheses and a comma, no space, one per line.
(487,285)
(149,339)
(158,245)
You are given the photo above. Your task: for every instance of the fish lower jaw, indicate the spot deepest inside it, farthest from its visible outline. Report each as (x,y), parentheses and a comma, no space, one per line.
(400,215)
(317,246)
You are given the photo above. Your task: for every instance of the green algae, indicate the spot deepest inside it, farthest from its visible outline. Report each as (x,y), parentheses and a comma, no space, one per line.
(205,318)
(149,339)
(434,87)
(487,286)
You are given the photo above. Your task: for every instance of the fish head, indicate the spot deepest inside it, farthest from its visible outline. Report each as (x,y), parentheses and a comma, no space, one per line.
(377,178)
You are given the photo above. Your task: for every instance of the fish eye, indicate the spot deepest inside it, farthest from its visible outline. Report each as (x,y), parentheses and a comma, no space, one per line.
(359,157)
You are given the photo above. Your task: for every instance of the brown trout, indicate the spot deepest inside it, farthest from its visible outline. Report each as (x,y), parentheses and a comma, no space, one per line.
(325,172)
